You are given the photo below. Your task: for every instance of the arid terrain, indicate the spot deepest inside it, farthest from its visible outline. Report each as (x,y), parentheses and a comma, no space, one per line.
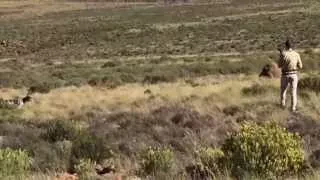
(130,75)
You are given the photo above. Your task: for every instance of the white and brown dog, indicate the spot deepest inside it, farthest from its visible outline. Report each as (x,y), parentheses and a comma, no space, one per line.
(14,103)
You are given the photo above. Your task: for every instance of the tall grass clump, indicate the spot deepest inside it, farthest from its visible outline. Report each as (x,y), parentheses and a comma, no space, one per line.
(59,131)
(156,160)
(90,147)
(14,163)
(207,165)
(85,169)
(310,83)
(263,151)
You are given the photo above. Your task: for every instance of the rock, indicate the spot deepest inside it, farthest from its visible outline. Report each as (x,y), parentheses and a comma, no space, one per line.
(271,71)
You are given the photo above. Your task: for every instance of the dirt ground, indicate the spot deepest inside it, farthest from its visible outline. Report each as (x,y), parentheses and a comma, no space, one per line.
(142,74)
(35,8)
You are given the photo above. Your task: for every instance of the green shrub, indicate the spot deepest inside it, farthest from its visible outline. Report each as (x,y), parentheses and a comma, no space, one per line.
(13,162)
(263,151)
(192,82)
(94,81)
(10,115)
(210,158)
(310,83)
(308,51)
(231,110)
(107,81)
(60,130)
(111,81)
(111,64)
(127,78)
(63,152)
(154,79)
(87,146)
(43,87)
(85,169)
(156,160)
(49,157)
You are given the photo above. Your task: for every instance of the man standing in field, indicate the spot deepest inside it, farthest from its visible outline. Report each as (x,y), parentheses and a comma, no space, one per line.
(290,63)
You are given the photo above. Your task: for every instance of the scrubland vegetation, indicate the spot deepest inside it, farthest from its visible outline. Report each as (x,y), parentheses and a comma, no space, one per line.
(156,91)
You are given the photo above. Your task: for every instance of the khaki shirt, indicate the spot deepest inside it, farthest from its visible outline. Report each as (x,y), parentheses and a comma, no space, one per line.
(290,61)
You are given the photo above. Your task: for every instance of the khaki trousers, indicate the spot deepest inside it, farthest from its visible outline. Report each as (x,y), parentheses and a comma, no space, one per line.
(292,81)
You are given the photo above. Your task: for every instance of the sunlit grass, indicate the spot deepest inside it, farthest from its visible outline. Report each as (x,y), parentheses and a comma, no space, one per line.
(67,102)
(206,98)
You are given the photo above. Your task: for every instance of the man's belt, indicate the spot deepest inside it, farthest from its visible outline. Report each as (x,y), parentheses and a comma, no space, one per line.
(289,72)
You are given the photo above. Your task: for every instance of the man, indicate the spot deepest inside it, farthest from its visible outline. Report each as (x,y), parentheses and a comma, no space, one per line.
(290,63)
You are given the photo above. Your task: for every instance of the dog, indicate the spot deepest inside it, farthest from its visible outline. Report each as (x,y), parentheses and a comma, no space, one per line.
(15,103)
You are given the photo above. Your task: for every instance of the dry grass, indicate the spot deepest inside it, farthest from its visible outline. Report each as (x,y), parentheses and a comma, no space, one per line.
(67,102)
(207,98)
(8,93)
(211,94)
(314,7)
(215,104)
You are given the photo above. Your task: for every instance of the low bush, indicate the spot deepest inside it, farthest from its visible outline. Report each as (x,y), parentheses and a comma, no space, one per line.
(192,82)
(95,81)
(107,81)
(310,83)
(156,160)
(49,157)
(13,162)
(60,130)
(85,169)
(87,146)
(10,115)
(43,87)
(111,81)
(154,79)
(111,64)
(263,151)
(231,110)
(127,78)
(207,164)
(210,158)
(63,152)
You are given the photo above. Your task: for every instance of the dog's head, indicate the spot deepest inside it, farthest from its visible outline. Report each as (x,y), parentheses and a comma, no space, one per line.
(26,99)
